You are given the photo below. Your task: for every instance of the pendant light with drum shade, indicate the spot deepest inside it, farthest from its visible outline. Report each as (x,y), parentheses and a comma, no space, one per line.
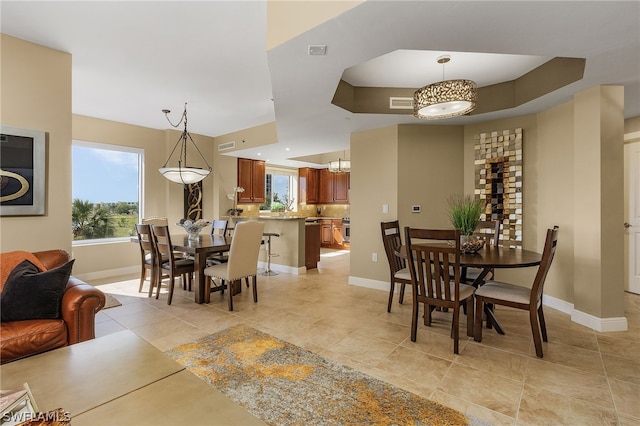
(340,165)
(182,173)
(446,98)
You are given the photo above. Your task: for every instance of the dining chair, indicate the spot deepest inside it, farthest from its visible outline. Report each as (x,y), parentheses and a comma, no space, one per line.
(219,228)
(155,220)
(398,272)
(148,258)
(173,266)
(519,297)
(490,230)
(243,259)
(432,255)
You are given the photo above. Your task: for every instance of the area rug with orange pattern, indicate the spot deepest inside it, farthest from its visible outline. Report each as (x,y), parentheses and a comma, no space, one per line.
(283,384)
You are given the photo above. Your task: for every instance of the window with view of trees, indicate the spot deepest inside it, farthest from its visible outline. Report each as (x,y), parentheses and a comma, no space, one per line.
(106,187)
(280,187)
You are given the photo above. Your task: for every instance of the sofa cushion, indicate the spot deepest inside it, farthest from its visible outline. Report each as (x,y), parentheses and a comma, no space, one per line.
(9,260)
(31,294)
(24,338)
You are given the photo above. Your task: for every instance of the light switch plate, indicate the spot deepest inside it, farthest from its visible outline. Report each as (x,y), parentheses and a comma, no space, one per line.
(385,208)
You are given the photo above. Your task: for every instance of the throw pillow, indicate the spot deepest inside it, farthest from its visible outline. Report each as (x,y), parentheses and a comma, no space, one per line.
(31,294)
(11,259)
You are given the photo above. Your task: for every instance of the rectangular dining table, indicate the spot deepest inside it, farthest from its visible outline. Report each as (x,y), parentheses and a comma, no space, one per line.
(200,249)
(488,258)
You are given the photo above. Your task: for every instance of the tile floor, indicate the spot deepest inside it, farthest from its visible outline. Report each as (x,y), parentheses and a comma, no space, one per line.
(585,378)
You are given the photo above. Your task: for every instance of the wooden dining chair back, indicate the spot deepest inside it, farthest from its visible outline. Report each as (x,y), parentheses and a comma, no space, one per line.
(171,264)
(243,259)
(433,256)
(155,220)
(218,228)
(490,231)
(519,297)
(398,272)
(148,257)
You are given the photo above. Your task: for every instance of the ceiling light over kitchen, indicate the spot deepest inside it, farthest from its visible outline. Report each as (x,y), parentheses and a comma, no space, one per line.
(445,99)
(340,165)
(183,174)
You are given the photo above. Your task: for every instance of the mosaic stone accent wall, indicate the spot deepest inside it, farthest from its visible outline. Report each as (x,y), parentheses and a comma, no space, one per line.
(498,175)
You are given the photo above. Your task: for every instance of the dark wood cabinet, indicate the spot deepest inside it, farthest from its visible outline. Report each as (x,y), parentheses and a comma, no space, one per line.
(308,185)
(251,176)
(341,188)
(312,245)
(331,233)
(333,188)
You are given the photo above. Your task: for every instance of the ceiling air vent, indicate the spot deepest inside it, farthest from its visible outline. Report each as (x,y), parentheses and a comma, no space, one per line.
(226,146)
(400,103)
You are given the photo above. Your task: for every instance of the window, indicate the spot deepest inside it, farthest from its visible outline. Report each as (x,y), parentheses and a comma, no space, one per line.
(106,188)
(280,189)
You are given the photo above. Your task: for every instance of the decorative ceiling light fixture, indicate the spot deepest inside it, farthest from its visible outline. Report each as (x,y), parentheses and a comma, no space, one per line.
(340,165)
(445,99)
(183,174)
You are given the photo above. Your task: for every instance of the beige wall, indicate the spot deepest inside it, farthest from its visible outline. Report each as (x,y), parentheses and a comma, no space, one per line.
(599,200)
(374,182)
(36,94)
(430,170)
(632,125)
(398,165)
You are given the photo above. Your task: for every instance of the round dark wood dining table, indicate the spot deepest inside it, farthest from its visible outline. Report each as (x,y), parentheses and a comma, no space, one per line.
(488,258)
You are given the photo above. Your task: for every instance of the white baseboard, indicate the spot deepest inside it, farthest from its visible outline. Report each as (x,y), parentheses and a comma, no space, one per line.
(365,282)
(599,324)
(582,318)
(283,268)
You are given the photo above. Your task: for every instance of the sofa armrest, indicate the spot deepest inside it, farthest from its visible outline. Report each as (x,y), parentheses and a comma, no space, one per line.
(80,303)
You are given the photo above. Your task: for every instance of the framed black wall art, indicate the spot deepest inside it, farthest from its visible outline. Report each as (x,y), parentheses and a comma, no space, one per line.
(22,172)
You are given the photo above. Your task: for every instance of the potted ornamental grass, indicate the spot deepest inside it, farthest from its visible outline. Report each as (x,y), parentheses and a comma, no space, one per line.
(465,212)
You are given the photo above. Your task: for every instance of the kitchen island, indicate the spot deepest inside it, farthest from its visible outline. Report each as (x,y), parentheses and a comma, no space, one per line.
(294,255)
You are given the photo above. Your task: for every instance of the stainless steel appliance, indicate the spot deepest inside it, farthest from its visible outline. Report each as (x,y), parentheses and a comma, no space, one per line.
(346,229)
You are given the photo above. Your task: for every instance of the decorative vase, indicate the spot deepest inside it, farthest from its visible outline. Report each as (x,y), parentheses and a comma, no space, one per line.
(193,228)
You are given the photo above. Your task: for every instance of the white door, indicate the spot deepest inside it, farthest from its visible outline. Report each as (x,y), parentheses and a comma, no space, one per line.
(632,171)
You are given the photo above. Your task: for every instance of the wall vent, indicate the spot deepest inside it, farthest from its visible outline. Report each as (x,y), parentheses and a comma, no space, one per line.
(226,146)
(400,103)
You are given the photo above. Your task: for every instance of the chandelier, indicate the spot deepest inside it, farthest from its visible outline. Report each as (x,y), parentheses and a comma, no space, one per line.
(182,173)
(445,99)
(340,165)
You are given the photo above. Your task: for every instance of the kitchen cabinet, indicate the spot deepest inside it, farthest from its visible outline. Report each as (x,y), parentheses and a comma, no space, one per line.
(307,185)
(251,176)
(312,245)
(333,188)
(331,233)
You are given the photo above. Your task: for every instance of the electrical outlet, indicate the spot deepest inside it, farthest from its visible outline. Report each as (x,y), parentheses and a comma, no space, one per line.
(374,257)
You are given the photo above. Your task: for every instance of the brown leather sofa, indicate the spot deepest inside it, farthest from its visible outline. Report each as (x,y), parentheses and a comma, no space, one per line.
(80,303)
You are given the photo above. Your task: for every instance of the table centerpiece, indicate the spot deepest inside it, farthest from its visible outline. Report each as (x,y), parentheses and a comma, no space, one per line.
(193,228)
(464,213)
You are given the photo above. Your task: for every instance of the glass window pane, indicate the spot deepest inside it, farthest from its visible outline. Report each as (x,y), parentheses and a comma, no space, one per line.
(105,191)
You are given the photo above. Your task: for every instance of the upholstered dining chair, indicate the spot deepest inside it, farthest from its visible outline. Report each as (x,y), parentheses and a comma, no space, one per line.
(218,227)
(148,258)
(432,258)
(173,266)
(243,259)
(515,296)
(398,273)
(490,230)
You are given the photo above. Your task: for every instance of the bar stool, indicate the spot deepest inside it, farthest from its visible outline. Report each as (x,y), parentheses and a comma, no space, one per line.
(268,271)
